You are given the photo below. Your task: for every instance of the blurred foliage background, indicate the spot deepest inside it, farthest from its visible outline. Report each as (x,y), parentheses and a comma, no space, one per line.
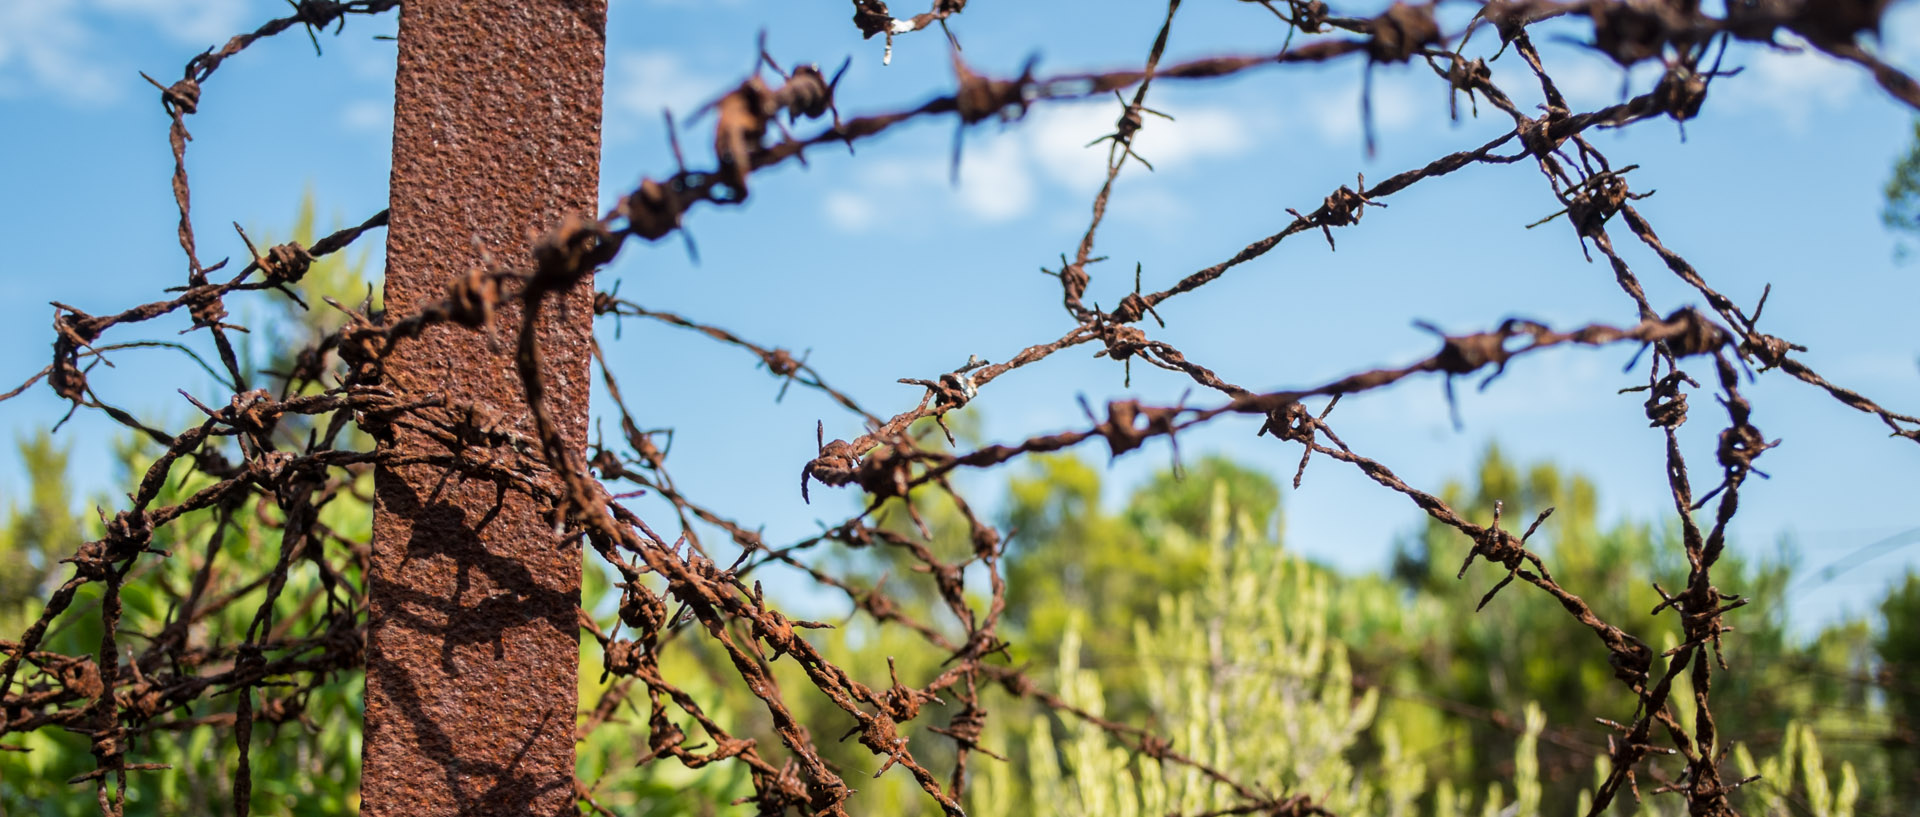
(1182,610)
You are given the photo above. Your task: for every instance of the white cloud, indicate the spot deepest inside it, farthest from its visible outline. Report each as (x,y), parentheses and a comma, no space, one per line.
(55,46)
(198,22)
(1004,174)
(641,83)
(41,47)
(1590,81)
(1586,80)
(1793,86)
(996,179)
(1336,115)
(849,211)
(893,190)
(1158,210)
(367,116)
(1900,34)
(894,173)
(1197,133)
(1058,139)
(1558,383)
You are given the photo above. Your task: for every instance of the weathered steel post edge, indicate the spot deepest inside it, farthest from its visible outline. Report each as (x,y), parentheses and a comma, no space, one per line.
(473,647)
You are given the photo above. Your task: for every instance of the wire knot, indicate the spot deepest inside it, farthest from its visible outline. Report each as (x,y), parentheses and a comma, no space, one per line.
(181,97)
(286,263)
(1666,403)
(1538,135)
(1123,341)
(1401,31)
(1291,422)
(472,297)
(652,210)
(902,703)
(1740,445)
(1635,30)
(1693,333)
(872,17)
(1155,746)
(980,97)
(885,471)
(1680,92)
(205,306)
(1123,428)
(836,465)
(128,533)
(571,251)
(1770,350)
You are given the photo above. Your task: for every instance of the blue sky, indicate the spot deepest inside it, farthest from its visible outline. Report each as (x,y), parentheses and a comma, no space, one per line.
(884,269)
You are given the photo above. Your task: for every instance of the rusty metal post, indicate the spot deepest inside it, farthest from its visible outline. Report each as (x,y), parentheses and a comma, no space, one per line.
(473,649)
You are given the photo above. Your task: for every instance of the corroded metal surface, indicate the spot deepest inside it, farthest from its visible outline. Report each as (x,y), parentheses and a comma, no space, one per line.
(473,647)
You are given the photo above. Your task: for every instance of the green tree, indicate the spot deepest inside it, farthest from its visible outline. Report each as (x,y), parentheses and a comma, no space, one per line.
(1901,209)
(305,750)
(1524,647)
(305,745)
(36,532)
(1389,672)
(1796,781)
(1898,648)
(1242,671)
(1455,683)
(1070,557)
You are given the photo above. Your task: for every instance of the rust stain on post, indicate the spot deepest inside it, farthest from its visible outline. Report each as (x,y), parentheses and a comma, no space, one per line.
(473,650)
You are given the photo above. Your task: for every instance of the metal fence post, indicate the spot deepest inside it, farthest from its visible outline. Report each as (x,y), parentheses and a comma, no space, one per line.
(473,645)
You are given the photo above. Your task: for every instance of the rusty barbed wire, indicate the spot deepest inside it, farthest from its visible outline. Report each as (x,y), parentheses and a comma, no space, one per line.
(873,17)
(296,459)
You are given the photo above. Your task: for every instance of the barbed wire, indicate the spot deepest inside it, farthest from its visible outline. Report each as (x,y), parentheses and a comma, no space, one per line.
(296,461)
